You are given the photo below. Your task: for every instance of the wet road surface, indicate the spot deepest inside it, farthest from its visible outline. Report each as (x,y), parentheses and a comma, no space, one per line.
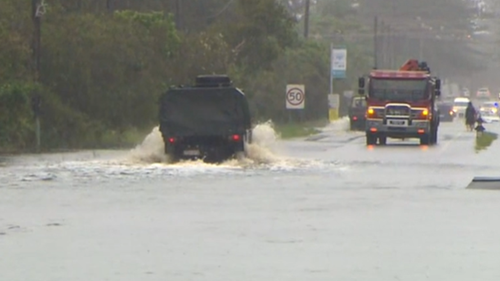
(318,209)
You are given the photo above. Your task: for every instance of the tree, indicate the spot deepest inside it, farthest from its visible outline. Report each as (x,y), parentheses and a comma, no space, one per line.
(263,30)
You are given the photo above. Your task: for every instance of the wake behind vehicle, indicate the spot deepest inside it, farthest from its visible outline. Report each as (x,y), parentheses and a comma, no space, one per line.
(209,121)
(401,104)
(357,112)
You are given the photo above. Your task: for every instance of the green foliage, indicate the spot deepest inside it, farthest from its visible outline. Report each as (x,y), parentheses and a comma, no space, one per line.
(110,67)
(485,140)
(297,130)
(103,68)
(263,30)
(16,114)
(308,65)
(156,24)
(205,52)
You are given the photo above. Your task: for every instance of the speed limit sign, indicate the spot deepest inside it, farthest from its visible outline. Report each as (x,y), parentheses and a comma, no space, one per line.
(295,96)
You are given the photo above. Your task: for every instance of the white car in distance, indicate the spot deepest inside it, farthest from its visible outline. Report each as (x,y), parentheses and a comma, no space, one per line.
(459,106)
(489,116)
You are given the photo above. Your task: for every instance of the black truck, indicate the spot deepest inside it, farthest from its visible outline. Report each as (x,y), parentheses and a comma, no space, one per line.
(209,121)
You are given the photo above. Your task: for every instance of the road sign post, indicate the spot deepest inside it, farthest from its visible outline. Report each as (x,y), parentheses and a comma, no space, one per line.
(295,96)
(333,107)
(338,70)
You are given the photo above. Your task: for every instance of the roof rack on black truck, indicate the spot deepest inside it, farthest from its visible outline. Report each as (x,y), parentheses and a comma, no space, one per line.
(210,120)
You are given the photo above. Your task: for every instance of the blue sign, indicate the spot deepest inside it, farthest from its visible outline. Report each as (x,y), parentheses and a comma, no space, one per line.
(339,63)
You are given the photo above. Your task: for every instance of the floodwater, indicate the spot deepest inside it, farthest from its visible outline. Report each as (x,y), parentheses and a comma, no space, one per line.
(323,208)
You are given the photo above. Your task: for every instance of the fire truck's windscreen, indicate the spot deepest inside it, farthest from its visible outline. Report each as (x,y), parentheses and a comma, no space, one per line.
(394,90)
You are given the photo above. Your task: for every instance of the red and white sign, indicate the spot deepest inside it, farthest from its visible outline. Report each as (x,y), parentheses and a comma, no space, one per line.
(295,96)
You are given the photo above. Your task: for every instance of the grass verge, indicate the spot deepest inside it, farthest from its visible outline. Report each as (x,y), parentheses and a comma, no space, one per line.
(485,140)
(126,139)
(297,130)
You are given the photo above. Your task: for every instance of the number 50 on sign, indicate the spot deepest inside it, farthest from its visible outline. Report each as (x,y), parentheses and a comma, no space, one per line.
(295,96)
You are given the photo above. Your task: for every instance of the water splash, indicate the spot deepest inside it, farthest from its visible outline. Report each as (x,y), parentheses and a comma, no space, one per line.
(151,150)
(264,139)
(340,125)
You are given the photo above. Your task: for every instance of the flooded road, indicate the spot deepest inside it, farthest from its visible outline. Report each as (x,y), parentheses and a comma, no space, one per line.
(315,209)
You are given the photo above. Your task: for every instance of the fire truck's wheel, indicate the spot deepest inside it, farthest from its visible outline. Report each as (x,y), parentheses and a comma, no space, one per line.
(371,140)
(425,139)
(382,140)
(434,136)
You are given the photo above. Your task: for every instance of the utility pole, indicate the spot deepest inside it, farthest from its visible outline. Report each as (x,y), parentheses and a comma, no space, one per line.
(375,43)
(392,50)
(421,46)
(178,14)
(383,44)
(306,19)
(37,12)
(37,24)
(109,6)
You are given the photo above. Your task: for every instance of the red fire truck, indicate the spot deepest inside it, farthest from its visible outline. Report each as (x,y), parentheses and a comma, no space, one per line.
(401,104)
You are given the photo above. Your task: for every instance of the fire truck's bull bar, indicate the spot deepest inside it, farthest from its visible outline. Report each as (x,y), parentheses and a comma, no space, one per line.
(413,129)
